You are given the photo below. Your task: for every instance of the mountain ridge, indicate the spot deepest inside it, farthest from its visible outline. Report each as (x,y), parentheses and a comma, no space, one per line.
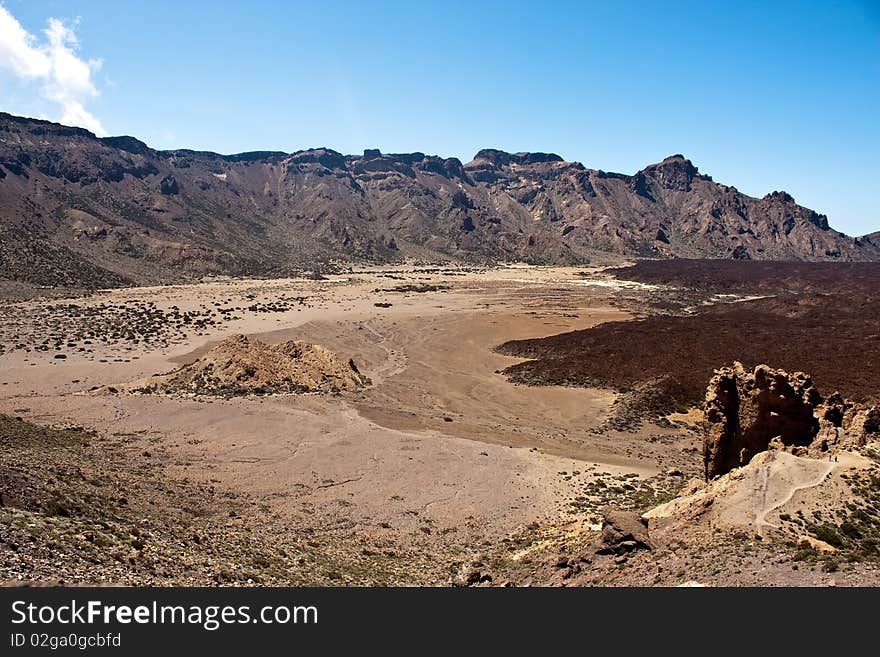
(146,215)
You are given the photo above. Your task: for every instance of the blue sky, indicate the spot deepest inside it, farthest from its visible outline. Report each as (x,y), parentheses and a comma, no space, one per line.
(760,95)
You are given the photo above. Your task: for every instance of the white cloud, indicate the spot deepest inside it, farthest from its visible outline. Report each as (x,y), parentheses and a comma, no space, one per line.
(52,63)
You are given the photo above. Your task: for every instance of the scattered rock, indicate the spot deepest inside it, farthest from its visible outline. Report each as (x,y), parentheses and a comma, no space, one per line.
(469,577)
(815,544)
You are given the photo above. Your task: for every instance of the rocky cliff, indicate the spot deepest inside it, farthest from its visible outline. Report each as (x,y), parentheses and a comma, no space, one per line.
(747,412)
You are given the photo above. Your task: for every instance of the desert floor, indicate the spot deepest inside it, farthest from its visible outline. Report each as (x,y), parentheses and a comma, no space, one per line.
(439,456)
(441,464)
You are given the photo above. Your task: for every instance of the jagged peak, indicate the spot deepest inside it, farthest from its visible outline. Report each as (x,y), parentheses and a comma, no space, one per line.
(782,196)
(503,158)
(494,155)
(677,160)
(673,172)
(324,156)
(320,150)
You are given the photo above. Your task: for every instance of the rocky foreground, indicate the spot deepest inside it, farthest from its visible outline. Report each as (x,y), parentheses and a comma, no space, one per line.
(801,505)
(791,497)
(78,507)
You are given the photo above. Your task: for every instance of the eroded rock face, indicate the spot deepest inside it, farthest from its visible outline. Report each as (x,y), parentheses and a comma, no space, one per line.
(747,412)
(844,421)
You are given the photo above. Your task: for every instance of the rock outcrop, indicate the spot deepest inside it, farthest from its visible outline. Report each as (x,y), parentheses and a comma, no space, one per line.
(747,412)
(241,365)
(168,185)
(841,420)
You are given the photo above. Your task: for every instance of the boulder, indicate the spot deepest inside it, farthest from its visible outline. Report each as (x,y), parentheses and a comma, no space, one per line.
(810,542)
(623,532)
(861,423)
(470,576)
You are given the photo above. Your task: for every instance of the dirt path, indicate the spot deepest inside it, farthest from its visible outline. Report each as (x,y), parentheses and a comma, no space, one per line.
(781,497)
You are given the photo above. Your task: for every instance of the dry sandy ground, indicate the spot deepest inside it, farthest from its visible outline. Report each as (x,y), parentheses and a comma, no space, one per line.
(440,456)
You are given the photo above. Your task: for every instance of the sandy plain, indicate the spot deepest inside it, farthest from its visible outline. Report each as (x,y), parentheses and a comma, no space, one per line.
(436,462)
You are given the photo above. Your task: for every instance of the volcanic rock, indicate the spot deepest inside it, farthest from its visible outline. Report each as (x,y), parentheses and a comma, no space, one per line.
(815,544)
(284,212)
(623,532)
(746,413)
(675,173)
(242,365)
(168,185)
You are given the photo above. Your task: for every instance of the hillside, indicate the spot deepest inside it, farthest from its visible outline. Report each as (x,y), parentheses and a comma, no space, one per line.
(101,211)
